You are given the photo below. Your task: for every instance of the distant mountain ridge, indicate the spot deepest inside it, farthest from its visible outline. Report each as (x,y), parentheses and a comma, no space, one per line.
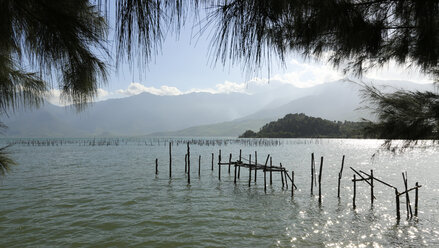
(201,114)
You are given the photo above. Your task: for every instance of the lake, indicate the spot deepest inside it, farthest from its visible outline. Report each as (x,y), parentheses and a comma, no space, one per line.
(105,194)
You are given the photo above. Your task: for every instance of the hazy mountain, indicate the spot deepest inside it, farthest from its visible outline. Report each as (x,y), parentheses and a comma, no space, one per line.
(223,129)
(202,114)
(135,115)
(340,100)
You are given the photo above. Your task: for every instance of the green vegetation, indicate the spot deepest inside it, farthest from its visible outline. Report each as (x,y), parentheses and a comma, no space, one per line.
(406,115)
(303,126)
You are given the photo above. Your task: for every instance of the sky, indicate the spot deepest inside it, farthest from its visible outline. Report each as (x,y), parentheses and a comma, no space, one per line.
(184,65)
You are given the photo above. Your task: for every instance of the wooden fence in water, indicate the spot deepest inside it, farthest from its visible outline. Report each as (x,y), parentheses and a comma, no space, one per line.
(316,180)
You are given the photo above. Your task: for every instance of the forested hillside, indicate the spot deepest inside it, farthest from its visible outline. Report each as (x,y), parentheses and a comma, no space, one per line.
(303,126)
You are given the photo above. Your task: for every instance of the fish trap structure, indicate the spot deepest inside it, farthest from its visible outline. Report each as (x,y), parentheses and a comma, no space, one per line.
(316,179)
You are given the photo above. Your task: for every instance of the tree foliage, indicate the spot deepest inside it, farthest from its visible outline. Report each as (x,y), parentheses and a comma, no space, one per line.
(357,34)
(406,115)
(42,41)
(303,126)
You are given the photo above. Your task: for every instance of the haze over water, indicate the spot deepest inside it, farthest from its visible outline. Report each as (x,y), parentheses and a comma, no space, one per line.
(108,196)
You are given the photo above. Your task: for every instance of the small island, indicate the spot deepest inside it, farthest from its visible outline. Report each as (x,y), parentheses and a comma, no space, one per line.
(303,126)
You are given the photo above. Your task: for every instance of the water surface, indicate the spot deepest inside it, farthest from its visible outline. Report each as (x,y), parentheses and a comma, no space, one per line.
(107,195)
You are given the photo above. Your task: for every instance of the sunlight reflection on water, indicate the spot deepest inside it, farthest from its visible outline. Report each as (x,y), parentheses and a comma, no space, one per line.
(74,195)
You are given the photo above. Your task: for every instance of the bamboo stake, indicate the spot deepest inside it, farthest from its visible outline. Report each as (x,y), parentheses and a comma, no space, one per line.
(235,175)
(365,179)
(230,161)
(355,193)
(293,185)
(398,215)
(249,169)
(212,160)
(170,160)
(256,163)
(414,188)
(188,164)
(416,199)
(320,180)
(240,161)
(219,165)
(376,179)
(199,165)
(282,175)
(265,174)
(339,176)
(156,166)
(407,198)
(312,174)
(372,196)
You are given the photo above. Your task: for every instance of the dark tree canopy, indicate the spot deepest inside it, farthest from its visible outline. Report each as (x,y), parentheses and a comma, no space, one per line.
(44,41)
(357,34)
(407,115)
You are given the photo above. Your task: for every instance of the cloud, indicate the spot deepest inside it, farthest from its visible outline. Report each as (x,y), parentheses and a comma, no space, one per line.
(54,97)
(307,74)
(102,93)
(138,88)
(226,87)
(298,73)
(393,71)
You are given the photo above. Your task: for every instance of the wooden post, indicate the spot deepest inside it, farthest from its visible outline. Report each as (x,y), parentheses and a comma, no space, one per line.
(219,165)
(170,160)
(239,166)
(271,172)
(320,180)
(212,160)
(371,187)
(249,169)
(265,174)
(286,179)
(156,166)
(339,177)
(282,175)
(292,183)
(407,198)
(199,165)
(398,215)
(235,175)
(312,173)
(355,193)
(416,199)
(230,161)
(188,164)
(256,163)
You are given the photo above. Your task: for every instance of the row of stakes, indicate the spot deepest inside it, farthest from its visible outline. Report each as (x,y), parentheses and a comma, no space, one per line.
(315,179)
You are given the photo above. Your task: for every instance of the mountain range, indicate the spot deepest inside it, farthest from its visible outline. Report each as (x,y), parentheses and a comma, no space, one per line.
(196,114)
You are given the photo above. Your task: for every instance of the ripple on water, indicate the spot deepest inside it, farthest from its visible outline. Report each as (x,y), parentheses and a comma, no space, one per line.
(107,197)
